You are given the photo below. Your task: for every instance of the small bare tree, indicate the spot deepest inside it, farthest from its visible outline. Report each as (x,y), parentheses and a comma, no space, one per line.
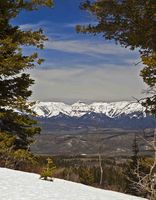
(147,181)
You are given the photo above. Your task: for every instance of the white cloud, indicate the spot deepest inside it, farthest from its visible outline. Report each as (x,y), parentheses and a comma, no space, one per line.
(38,25)
(87,84)
(74,79)
(92,48)
(73,25)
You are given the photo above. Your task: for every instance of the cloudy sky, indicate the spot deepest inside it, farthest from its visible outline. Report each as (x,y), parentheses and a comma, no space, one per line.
(79,66)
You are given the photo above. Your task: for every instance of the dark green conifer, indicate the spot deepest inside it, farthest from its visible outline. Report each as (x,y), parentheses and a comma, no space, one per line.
(131,23)
(86,175)
(14,83)
(131,168)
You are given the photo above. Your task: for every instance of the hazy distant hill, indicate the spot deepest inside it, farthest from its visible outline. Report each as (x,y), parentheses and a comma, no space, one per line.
(83,128)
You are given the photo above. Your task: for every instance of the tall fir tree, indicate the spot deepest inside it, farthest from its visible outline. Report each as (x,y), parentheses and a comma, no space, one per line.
(14,83)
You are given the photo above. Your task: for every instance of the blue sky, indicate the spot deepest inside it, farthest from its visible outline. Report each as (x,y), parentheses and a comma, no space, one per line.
(79,66)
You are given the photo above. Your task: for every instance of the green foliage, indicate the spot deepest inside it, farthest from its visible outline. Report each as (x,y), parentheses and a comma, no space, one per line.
(135,151)
(86,176)
(137,172)
(14,83)
(130,169)
(48,172)
(12,157)
(6,147)
(72,168)
(147,180)
(131,23)
(113,177)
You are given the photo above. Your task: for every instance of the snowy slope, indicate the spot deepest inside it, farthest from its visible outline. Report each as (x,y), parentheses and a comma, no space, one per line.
(50,109)
(16,185)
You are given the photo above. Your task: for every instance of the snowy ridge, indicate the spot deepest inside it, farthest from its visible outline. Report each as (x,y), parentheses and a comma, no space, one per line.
(17,185)
(78,109)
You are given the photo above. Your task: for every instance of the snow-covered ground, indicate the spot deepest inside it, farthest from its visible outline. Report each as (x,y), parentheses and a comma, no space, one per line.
(17,185)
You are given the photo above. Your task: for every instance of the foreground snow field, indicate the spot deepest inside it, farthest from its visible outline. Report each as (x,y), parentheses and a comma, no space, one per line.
(17,185)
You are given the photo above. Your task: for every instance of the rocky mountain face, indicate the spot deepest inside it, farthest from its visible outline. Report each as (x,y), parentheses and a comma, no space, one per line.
(61,116)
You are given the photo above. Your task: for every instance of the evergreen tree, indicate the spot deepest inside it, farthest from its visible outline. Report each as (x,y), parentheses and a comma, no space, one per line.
(135,151)
(11,157)
(131,23)
(86,175)
(14,83)
(16,126)
(131,168)
(48,171)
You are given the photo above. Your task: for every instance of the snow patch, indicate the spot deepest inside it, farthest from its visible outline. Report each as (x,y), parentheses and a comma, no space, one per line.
(115,109)
(17,185)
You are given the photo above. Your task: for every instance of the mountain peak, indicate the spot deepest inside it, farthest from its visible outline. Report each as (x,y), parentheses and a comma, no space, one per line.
(78,109)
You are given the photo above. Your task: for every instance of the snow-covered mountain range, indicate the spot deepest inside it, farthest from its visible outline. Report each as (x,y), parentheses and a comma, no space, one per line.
(74,129)
(79,109)
(61,116)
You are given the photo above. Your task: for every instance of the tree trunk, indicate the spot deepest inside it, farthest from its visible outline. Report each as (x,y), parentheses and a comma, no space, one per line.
(101,169)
